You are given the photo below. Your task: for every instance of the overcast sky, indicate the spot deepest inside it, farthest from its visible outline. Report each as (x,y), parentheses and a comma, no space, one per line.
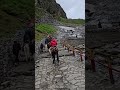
(74,8)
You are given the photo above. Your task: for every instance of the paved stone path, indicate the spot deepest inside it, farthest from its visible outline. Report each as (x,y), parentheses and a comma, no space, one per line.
(68,75)
(20,78)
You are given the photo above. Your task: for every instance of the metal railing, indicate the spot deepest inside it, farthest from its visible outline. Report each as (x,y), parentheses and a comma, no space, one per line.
(108,63)
(73,49)
(91,56)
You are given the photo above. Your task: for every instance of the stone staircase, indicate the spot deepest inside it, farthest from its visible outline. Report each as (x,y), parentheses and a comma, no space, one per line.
(67,75)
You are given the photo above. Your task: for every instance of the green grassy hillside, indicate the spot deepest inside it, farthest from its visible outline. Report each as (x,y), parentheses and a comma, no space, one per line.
(19,8)
(8,24)
(39,12)
(14,14)
(42,30)
(72,21)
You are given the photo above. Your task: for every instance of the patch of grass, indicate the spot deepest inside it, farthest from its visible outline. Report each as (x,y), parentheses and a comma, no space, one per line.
(39,36)
(72,21)
(45,28)
(42,30)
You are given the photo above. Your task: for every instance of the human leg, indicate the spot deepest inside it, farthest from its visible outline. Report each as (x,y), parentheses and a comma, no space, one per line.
(57,56)
(53,56)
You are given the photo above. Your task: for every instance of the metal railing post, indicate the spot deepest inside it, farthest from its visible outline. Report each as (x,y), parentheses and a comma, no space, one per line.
(110,71)
(81,56)
(92,60)
(73,50)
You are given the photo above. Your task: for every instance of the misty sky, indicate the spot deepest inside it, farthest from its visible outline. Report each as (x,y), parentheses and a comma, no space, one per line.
(74,8)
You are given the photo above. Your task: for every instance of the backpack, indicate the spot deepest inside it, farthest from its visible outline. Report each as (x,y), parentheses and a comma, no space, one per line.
(54,49)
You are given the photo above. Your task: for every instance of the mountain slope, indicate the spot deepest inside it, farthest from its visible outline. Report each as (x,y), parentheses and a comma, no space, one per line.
(14,14)
(51,7)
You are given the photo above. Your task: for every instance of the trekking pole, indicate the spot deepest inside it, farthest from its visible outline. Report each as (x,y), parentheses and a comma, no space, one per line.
(73,50)
(81,56)
(63,44)
(92,60)
(68,48)
(110,71)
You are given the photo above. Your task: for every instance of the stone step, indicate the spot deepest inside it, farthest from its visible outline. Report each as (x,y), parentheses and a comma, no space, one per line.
(59,55)
(62,89)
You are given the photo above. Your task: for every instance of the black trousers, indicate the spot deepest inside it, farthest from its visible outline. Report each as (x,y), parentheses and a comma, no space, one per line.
(48,46)
(16,58)
(53,56)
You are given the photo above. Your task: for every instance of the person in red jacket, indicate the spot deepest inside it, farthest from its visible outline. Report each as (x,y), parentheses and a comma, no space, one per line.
(53,43)
(54,49)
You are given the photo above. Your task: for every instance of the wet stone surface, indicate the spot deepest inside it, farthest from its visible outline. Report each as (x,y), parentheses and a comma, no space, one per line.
(69,74)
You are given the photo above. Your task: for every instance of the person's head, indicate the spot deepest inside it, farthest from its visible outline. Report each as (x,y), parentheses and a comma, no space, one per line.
(41,44)
(48,35)
(15,41)
(27,42)
(30,22)
(51,37)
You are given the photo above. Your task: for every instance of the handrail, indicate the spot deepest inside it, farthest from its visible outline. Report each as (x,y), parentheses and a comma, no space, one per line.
(91,57)
(72,48)
(108,59)
(108,67)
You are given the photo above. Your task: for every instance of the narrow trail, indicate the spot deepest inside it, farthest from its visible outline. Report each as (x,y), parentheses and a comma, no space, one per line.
(68,75)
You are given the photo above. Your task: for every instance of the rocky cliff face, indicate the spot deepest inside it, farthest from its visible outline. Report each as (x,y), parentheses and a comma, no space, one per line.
(106,12)
(51,7)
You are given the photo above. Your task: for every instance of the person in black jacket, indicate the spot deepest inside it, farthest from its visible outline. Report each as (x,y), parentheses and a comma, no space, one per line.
(41,47)
(99,24)
(16,49)
(47,41)
(32,47)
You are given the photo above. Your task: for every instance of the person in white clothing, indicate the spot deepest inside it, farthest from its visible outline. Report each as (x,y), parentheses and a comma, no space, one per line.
(27,51)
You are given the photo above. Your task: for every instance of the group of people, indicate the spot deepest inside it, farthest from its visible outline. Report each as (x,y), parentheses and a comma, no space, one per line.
(51,45)
(27,47)
(27,50)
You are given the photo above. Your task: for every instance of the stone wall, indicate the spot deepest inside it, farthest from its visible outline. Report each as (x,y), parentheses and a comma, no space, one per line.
(7,59)
(6,55)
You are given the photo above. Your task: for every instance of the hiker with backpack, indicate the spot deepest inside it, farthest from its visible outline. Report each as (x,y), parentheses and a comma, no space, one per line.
(41,47)
(47,42)
(54,49)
